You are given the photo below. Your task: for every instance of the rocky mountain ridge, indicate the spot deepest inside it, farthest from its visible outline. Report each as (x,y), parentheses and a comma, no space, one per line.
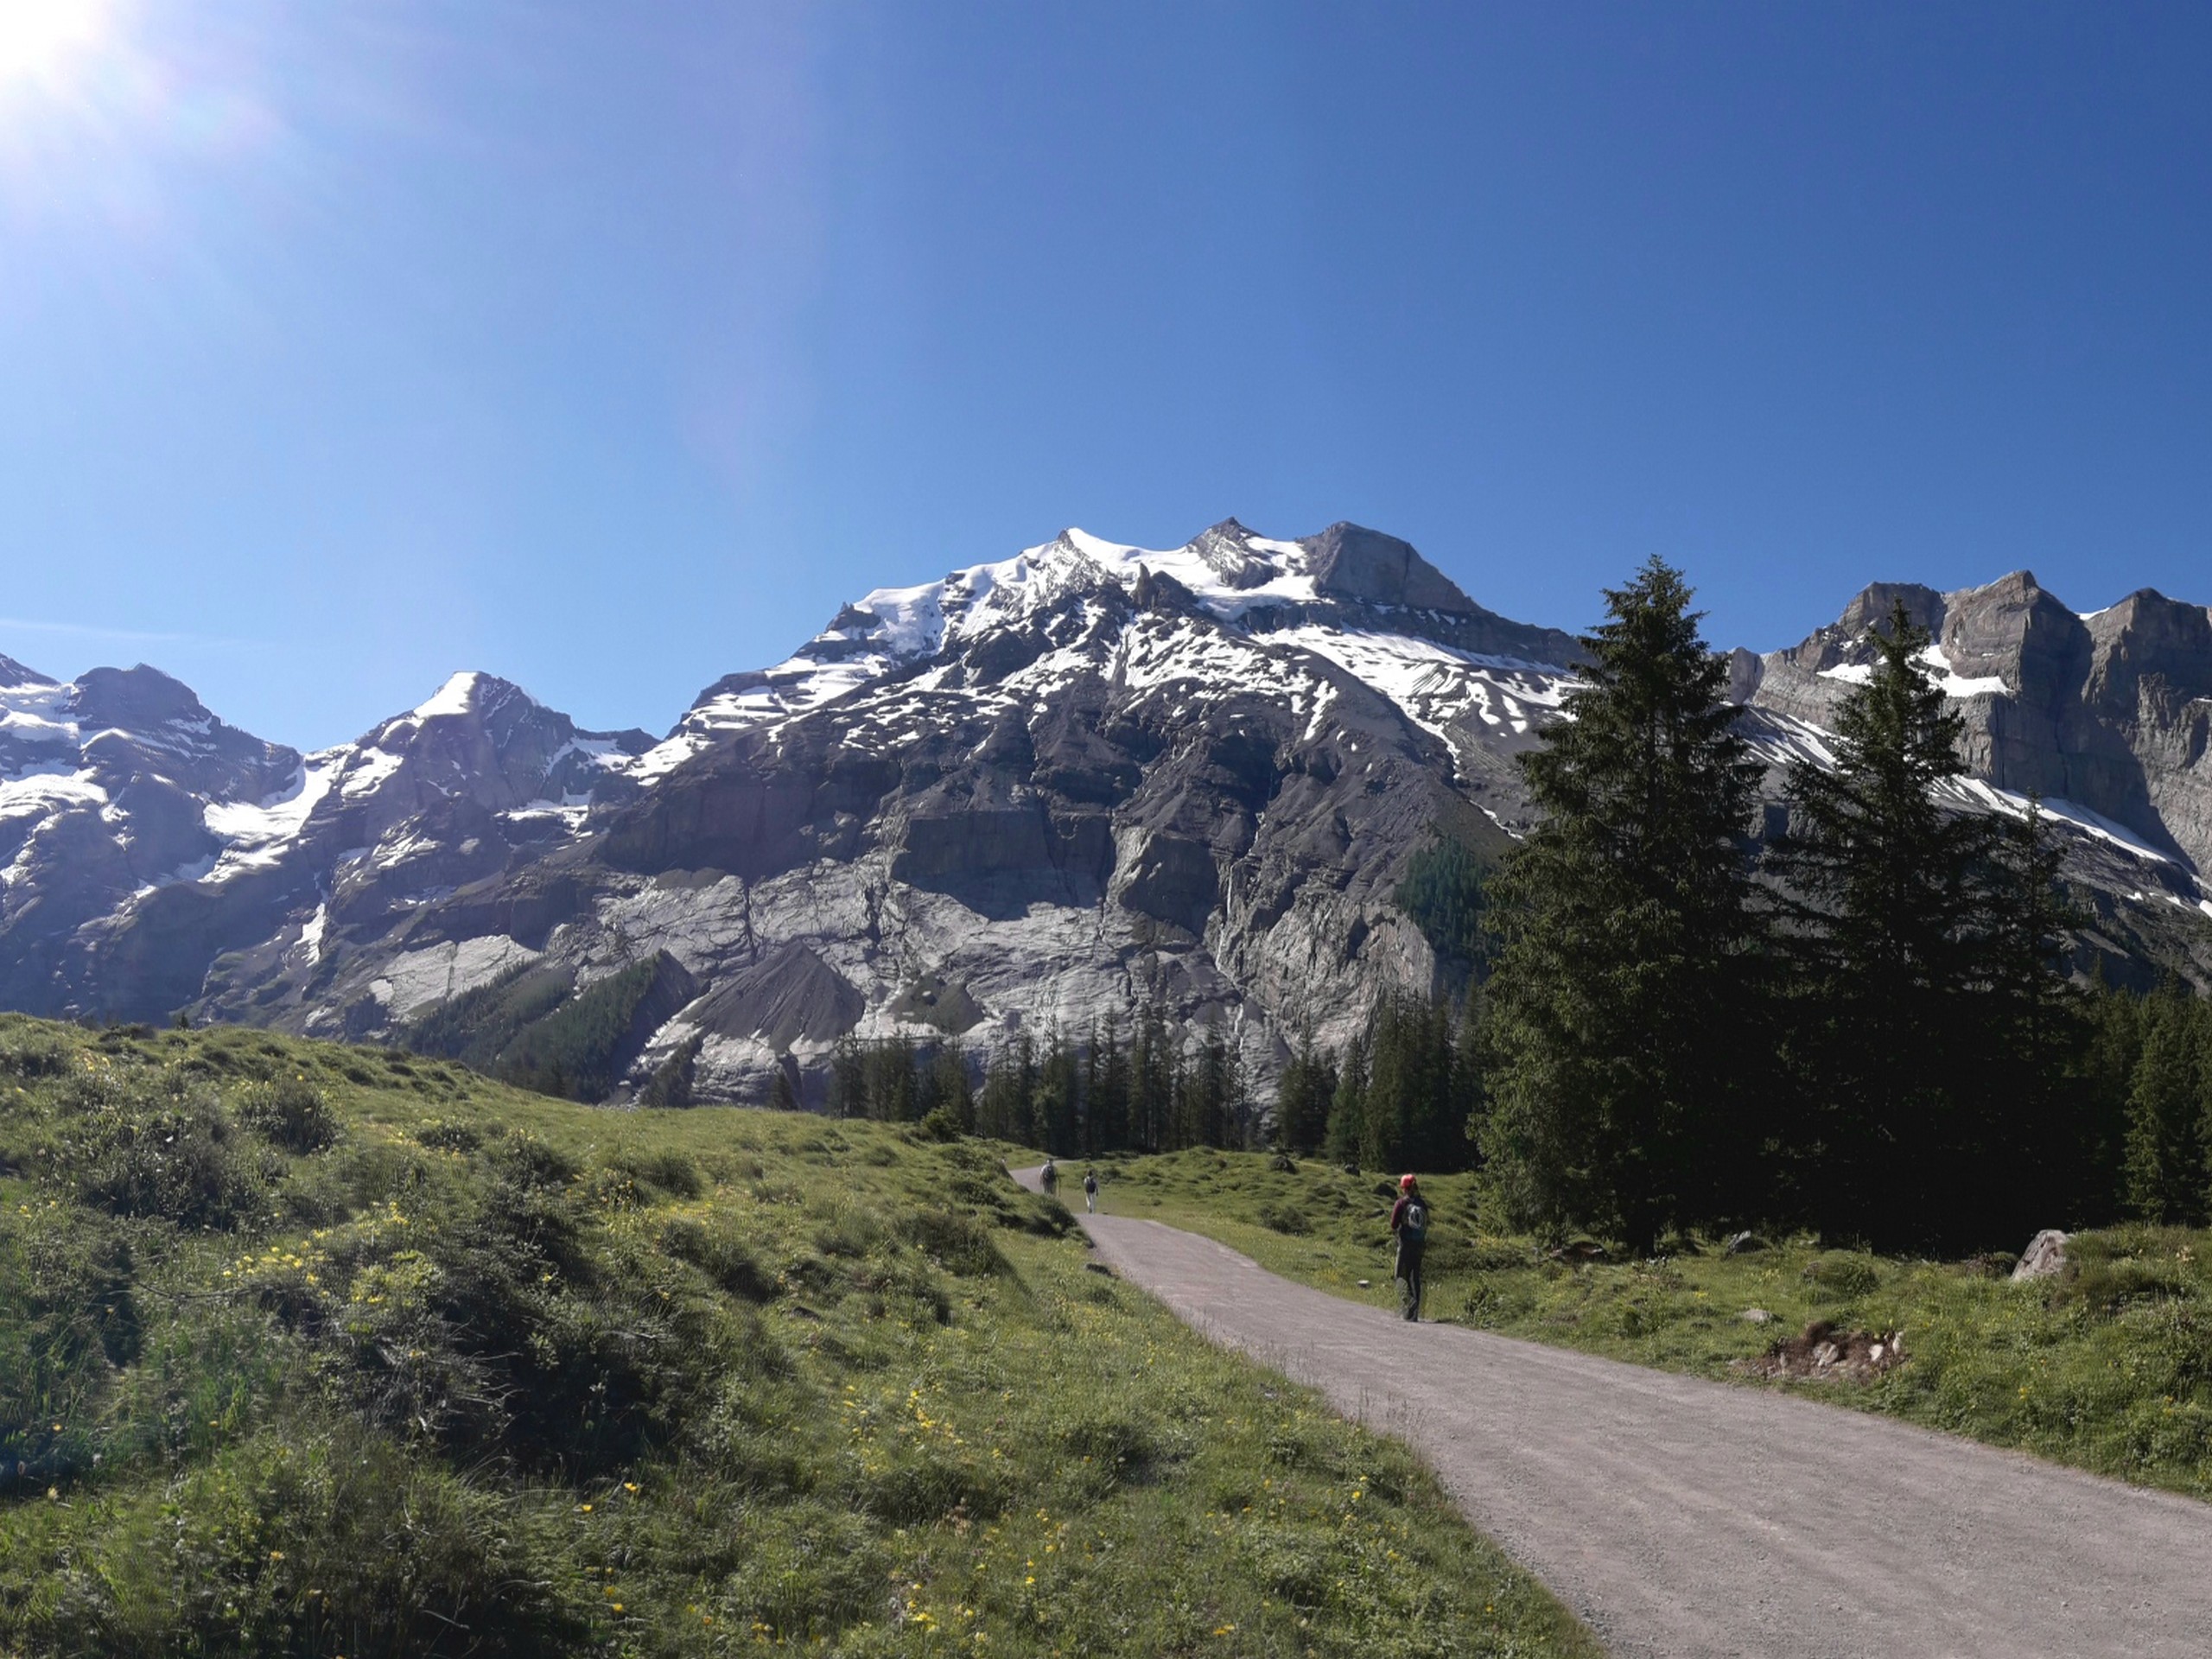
(1043,791)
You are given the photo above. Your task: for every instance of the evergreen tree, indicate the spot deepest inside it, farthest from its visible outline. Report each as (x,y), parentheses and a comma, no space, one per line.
(781,1097)
(945,1085)
(1152,1081)
(847,1078)
(887,1069)
(2032,1137)
(1618,1007)
(1106,1091)
(1470,1099)
(1058,1099)
(1004,1110)
(2166,1169)
(1303,1097)
(2113,1021)
(1925,937)
(1347,1125)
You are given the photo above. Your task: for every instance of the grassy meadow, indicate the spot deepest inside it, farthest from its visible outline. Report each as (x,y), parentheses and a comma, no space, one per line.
(308,1349)
(2107,1367)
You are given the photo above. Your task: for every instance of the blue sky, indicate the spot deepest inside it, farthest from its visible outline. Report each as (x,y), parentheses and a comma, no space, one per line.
(611,347)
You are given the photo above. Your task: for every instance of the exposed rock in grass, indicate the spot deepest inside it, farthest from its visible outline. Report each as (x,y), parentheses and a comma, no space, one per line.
(1580,1249)
(2045,1258)
(1821,1351)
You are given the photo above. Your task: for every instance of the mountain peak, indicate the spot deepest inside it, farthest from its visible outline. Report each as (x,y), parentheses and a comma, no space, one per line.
(13,673)
(1351,562)
(461,693)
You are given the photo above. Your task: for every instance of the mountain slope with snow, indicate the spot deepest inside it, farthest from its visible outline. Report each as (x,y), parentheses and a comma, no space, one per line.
(1042,792)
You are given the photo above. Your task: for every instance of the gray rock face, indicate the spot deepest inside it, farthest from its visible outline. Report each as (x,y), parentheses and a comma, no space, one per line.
(2045,1258)
(2103,718)
(1044,793)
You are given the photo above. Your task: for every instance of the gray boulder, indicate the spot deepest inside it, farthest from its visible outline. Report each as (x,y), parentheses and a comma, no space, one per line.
(2045,1258)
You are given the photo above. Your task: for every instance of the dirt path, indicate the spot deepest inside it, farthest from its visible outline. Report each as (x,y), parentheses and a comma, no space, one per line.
(1678,1517)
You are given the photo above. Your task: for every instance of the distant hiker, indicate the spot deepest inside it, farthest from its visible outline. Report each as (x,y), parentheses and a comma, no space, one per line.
(1050,1178)
(1090,1191)
(1410,1222)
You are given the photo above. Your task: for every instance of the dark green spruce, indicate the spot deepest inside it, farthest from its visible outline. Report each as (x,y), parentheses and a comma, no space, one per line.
(1932,1035)
(1618,1014)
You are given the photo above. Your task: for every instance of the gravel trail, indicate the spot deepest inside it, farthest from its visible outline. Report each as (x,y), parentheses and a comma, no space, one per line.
(1678,1517)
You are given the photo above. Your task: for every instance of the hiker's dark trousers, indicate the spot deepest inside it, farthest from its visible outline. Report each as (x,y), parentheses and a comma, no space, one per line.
(1408,1275)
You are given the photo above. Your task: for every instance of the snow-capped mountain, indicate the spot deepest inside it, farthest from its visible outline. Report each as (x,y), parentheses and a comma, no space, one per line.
(148,839)
(1045,791)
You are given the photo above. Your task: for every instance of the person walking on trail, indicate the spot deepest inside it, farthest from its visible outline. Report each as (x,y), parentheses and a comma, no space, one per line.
(1090,1191)
(1048,1178)
(1409,1225)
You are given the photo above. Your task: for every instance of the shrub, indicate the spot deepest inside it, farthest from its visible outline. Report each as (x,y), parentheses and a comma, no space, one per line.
(1116,1442)
(721,1257)
(958,1244)
(380,1555)
(1496,1301)
(1284,1218)
(849,1233)
(2110,1284)
(290,1112)
(139,1150)
(1844,1275)
(34,1054)
(447,1135)
(670,1172)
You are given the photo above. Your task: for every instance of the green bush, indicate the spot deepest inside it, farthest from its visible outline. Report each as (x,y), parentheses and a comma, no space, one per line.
(143,1147)
(290,1112)
(956,1243)
(1844,1275)
(31,1052)
(447,1135)
(329,1542)
(721,1257)
(672,1172)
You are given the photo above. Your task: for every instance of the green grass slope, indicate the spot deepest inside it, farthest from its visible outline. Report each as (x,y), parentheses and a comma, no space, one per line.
(308,1349)
(2107,1367)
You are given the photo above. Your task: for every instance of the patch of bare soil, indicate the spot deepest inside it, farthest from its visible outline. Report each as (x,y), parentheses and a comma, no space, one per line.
(1822,1351)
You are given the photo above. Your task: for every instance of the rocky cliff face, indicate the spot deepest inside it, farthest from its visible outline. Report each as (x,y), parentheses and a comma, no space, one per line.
(157,852)
(2103,717)
(1040,792)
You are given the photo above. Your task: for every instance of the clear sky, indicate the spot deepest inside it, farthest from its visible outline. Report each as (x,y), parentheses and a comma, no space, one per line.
(610,346)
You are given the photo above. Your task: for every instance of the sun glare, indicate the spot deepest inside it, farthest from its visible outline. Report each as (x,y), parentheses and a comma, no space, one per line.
(37,37)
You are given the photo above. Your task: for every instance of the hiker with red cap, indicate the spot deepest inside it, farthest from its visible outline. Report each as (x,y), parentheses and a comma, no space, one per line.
(1409,1224)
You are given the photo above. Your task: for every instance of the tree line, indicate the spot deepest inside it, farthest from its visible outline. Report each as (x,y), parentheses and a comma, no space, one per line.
(1134,1087)
(1401,1095)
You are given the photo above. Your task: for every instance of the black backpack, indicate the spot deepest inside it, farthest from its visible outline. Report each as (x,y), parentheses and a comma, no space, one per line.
(1413,1226)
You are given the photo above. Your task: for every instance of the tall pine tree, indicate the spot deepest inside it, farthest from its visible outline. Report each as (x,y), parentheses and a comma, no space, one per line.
(2170,1110)
(1618,1003)
(1932,1023)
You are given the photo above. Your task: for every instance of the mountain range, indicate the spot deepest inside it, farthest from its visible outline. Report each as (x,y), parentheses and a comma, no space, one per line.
(1038,793)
